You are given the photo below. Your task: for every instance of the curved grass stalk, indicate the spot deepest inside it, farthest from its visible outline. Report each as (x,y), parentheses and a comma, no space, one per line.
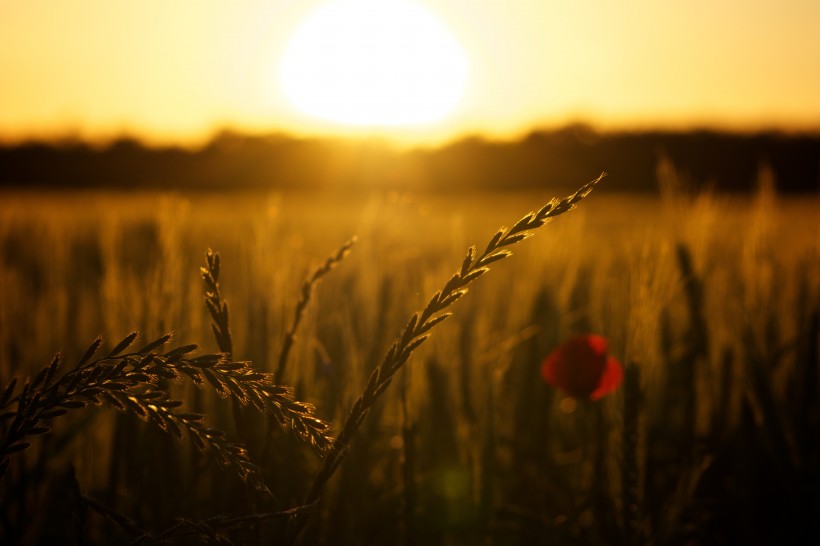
(304,299)
(130,382)
(420,325)
(269,398)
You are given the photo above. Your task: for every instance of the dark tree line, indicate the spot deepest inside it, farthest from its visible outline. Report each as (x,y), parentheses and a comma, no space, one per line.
(553,159)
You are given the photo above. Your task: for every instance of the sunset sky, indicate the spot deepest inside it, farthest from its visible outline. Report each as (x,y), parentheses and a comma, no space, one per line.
(177,71)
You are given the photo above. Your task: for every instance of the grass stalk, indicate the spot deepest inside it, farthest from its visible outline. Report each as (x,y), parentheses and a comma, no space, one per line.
(301,305)
(129,382)
(632,514)
(420,325)
(279,402)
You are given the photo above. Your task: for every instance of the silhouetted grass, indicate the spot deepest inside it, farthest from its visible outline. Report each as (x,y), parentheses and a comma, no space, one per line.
(709,300)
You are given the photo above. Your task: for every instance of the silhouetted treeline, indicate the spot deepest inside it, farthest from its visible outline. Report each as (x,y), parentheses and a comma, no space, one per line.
(544,159)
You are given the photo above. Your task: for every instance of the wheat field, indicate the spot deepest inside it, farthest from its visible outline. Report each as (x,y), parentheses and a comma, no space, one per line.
(709,301)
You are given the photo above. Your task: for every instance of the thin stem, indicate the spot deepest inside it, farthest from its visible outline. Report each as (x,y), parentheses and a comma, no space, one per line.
(267,394)
(304,299)
(418,328)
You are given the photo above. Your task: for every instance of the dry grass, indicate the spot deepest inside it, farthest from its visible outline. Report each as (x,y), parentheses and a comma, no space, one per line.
(471,446)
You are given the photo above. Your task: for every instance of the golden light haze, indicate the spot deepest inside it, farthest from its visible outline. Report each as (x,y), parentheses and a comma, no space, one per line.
(177,71)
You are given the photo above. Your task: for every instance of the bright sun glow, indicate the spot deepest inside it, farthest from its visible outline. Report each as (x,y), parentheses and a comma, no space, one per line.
(373,63)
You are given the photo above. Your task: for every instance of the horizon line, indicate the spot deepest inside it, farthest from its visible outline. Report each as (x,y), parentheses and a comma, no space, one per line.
(103,139)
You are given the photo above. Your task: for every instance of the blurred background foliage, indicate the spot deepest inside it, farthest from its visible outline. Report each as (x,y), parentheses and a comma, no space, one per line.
(554,159)
(711,300)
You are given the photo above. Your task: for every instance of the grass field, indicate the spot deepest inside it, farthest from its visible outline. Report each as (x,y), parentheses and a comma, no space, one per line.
(710,302)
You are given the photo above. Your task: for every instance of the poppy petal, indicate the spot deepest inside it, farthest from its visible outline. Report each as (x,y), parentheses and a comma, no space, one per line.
(581,367)
(598,344)
(610,379)
(577,365)
(548,369)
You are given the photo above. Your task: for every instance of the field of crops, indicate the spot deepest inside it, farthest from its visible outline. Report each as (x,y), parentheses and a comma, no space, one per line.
(710,303)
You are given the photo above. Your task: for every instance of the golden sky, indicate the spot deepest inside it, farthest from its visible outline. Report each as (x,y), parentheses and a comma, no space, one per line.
(177,71)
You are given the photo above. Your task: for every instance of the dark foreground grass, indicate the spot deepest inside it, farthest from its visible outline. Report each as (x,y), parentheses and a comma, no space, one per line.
(712,306)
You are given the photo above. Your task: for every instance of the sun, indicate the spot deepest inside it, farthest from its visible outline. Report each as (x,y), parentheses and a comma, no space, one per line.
(373,63)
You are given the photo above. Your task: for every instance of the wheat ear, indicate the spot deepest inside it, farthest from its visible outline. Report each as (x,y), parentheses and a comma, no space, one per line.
(268,398)
(129,382)
(421,323)
(304,299)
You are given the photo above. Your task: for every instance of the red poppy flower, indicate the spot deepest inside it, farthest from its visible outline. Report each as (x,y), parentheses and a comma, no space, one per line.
(582,368)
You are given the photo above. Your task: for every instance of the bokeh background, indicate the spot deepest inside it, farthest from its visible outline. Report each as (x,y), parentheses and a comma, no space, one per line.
(133,137)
